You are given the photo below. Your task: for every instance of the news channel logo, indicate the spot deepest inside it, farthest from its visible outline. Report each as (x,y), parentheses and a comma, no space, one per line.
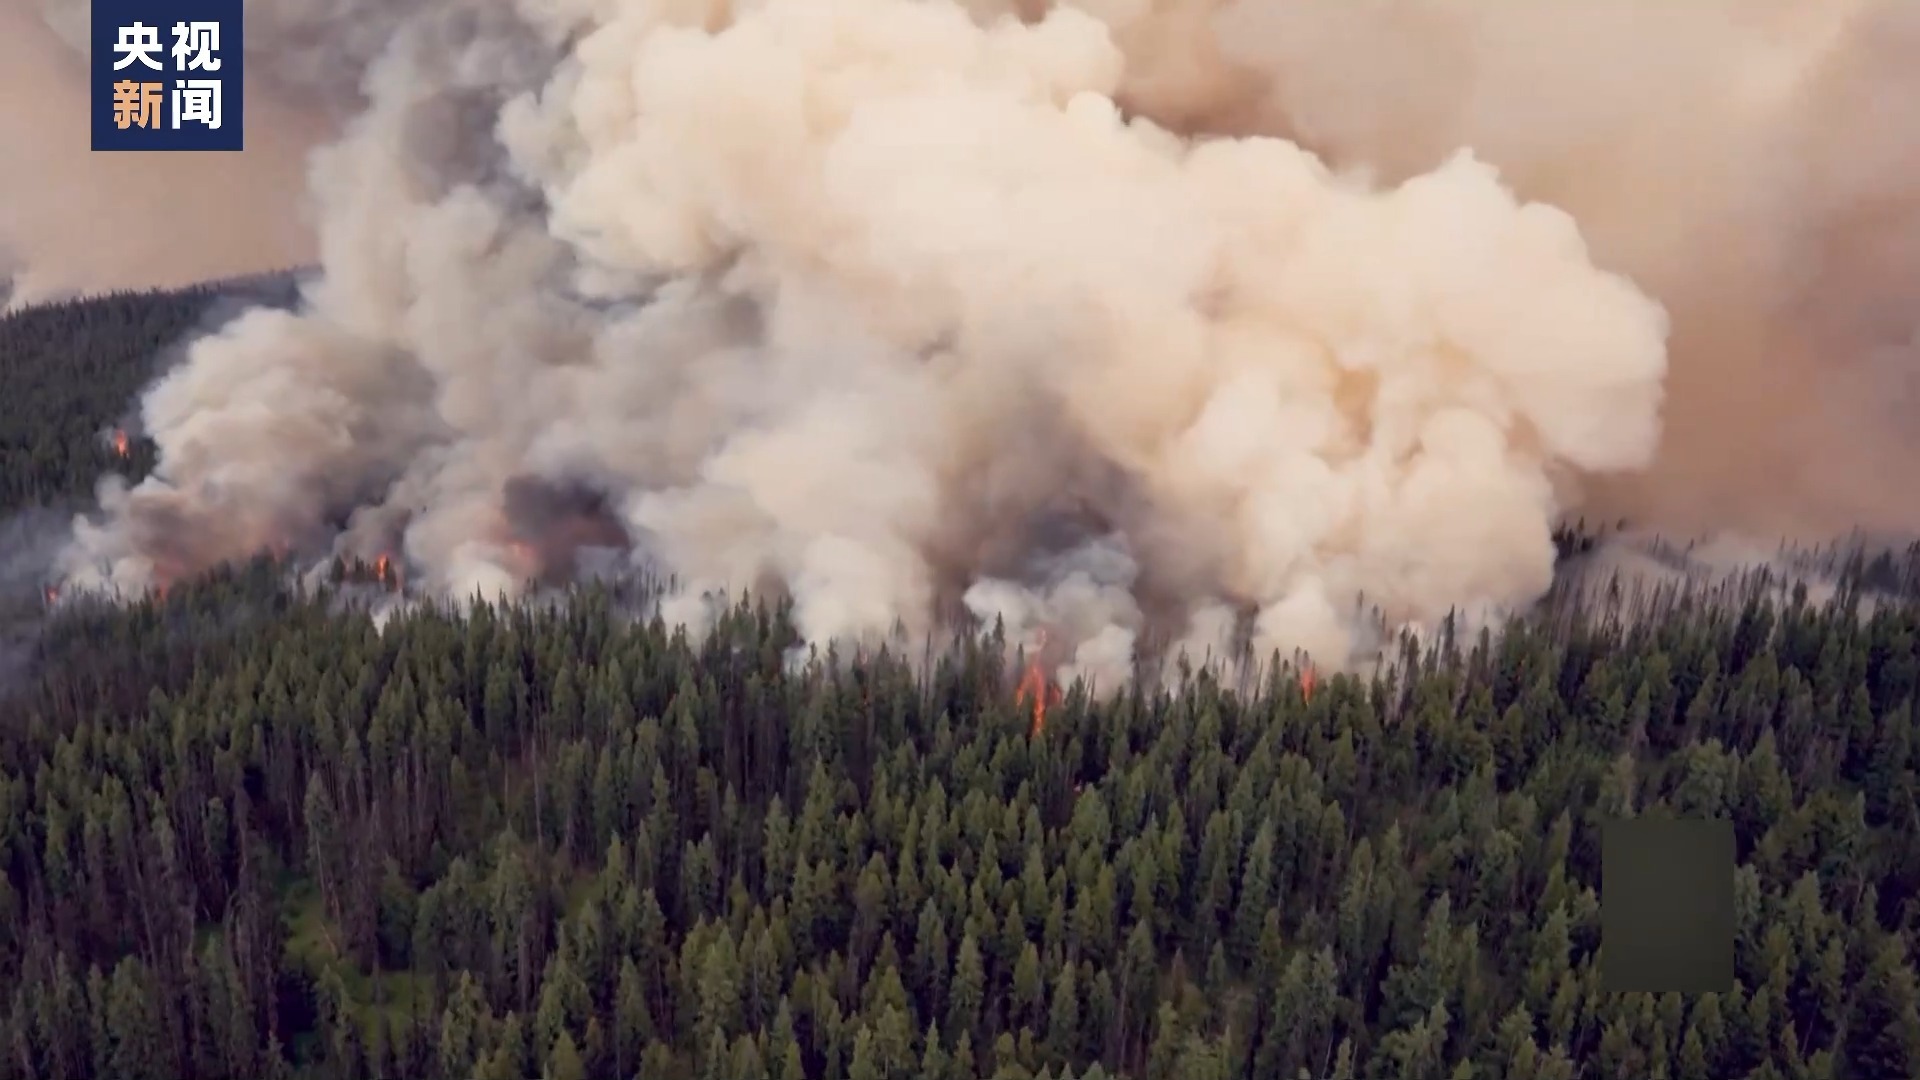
(167,75)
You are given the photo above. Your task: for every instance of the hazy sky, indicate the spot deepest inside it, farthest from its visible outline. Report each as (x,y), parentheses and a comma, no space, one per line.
(71,219)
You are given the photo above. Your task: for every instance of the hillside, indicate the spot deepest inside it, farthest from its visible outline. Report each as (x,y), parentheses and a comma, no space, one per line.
(70,372)
(250,833)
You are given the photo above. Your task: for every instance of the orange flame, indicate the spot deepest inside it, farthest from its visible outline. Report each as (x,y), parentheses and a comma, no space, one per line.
(53,594)
(1308,677)
(1035,687)
(380,567)
(121,444)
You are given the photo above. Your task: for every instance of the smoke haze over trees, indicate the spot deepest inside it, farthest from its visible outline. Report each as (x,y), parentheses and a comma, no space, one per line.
(1117,331)
(1091,326)
(251,832)
(254,837)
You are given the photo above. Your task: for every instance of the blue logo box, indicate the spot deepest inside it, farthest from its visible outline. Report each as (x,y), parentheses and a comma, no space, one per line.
(168,75)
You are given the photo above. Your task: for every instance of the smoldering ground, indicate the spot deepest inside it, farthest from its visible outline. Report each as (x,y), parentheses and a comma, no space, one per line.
(844,297)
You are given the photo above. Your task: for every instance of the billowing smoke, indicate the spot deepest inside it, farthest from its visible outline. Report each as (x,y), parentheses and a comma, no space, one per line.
(903,308)
(1752,164)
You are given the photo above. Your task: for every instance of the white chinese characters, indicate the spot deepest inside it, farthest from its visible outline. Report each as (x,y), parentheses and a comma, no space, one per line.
(196,101)
(137,44)
(194,45)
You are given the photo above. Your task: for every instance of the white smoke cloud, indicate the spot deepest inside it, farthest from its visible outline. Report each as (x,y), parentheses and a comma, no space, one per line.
(894,309)
(1752,164)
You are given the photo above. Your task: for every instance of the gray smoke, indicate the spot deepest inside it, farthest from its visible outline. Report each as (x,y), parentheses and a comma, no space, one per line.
(902,307)
(29,543)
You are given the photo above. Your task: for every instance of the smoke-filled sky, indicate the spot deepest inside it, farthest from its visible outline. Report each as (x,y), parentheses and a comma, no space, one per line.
(75,221)
(1128,319)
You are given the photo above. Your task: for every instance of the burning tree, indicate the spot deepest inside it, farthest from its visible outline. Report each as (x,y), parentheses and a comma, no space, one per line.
(1035,688)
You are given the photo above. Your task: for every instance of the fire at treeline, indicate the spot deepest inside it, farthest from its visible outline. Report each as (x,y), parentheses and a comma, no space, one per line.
(570,544)
(378,586)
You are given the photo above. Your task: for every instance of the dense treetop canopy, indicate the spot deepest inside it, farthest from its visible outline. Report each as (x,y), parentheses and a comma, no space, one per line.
(248,831)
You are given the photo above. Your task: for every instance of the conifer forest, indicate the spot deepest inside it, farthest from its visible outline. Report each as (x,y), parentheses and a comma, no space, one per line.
(248,831)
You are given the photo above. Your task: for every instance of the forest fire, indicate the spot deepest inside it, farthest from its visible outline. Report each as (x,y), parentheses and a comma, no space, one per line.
(384,572)
(122,445)
(1308,678)
(1035,687)
(526,560)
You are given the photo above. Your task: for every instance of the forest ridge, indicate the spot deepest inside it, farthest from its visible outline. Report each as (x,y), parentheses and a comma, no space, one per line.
(249,833)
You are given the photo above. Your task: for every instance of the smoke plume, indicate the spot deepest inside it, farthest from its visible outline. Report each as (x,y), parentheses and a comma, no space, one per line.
(1753,165)
(1153,325)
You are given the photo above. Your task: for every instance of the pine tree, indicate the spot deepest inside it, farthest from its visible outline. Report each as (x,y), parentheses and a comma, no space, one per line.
(1883,1035)
(563,1061)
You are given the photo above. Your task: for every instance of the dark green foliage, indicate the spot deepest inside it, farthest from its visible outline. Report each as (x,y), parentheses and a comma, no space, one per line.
(70,371)
(244,834)
(514,843)
(67,372)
